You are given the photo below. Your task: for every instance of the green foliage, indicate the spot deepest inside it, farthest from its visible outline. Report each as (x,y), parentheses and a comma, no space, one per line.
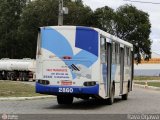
(129,24)
(36,14)
(10,11)
(103,18)
(133,25)
(45,13)
(155,84)
(19,23)
(78,14)
(141,78)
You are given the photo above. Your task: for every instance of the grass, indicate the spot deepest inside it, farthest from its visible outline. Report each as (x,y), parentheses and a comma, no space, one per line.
(16,89)
(155,84)
(146,78)
(141,83)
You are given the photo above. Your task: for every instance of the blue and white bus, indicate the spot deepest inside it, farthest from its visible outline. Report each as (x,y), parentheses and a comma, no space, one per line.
(82,62)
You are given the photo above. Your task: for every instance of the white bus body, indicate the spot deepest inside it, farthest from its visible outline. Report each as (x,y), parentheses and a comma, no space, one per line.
(83,62)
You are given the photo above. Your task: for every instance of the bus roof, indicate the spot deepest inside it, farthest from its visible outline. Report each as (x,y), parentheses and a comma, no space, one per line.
(112,37)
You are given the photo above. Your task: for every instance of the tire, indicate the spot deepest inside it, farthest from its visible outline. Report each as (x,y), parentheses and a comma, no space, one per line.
(4,76)
(8,76)
(110,100)
(20,76)
(1,77)
(125,96)
(13,77)
(64,99)
(25,77)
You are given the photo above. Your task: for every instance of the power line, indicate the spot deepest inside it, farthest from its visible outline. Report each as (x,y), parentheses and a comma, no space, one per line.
(142,2)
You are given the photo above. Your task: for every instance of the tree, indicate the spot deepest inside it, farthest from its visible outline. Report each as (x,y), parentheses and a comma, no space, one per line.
(103,18)
(127,23)
(78,14)
(10,11)
(45,13)
(36,14)
(133,25)
(20,23)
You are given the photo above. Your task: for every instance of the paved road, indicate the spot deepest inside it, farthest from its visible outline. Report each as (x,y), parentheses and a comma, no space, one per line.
(140,101)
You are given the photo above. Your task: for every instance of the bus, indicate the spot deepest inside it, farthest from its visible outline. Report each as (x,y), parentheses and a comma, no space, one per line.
(82,62)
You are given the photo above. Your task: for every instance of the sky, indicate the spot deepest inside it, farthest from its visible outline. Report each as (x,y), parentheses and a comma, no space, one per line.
(152,9)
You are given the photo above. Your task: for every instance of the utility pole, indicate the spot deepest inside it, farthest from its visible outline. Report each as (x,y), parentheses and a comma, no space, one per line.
(62,10)
(60,15)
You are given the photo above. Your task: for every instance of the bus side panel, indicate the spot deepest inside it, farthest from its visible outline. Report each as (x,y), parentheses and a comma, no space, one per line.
(116,78)
(103,83)
(127,77)
(96,73)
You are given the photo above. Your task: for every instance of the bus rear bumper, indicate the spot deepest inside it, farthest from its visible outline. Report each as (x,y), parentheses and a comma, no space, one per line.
(58,90)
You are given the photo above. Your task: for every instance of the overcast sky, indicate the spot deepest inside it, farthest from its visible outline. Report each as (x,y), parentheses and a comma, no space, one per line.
(152,9)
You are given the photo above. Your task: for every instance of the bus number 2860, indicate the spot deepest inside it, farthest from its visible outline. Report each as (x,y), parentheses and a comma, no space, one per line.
(66,90)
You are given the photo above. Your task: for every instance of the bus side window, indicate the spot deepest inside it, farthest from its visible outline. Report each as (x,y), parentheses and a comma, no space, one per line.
(125,55)
(129,56)
(39,44)
(113,53)
(103,49)
(117,53)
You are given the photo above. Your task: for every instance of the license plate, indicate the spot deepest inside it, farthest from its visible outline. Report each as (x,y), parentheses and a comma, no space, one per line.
(66,82)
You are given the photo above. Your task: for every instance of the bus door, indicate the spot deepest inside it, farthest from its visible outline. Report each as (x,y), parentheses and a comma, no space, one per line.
(132,68)
(121,69)
(109,58)
(105,63)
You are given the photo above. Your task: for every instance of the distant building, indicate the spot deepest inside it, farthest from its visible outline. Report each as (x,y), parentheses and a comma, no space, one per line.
(148,68)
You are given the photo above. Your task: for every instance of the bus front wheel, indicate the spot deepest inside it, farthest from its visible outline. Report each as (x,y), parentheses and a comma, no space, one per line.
(61,99)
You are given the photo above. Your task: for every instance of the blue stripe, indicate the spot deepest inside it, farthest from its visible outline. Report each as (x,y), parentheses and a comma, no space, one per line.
(87,39)
(54,90)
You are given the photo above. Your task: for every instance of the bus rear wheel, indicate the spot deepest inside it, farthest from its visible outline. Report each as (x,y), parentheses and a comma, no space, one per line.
(125,96)
(61,99)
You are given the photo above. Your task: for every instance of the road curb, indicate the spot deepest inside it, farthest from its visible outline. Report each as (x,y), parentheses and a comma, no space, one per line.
(147,87)
(26,98)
